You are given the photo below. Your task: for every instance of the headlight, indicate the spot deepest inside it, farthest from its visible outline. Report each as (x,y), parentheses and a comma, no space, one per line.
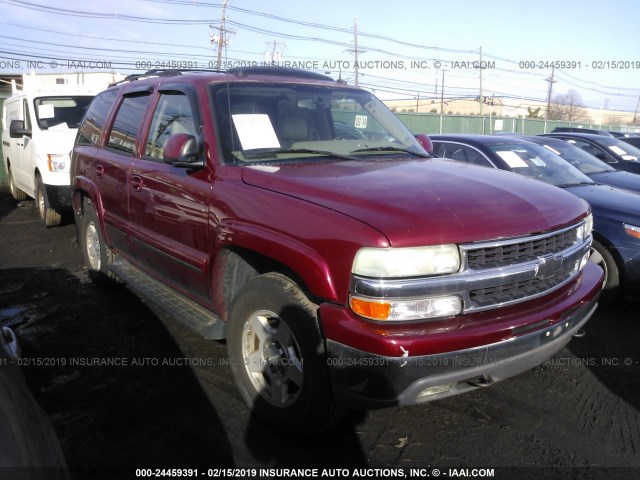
(584,230)
(406,262)
(632,230)
(58,162)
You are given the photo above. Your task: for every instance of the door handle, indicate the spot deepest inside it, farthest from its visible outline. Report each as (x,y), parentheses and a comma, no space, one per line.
(136,183)
(99,171)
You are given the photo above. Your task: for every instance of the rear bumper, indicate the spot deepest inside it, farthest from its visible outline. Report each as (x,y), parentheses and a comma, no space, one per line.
(366,380)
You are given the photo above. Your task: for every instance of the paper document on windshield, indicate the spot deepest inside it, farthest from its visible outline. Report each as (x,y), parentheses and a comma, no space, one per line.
(46,111)
(617,149)
(512,159)
(255,131)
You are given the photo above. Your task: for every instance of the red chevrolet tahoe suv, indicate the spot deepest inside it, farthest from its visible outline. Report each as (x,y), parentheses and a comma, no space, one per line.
(297,218)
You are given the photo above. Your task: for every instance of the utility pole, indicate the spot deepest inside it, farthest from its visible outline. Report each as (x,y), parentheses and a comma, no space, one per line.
(442,94)
(355,43)
(274,56)
(551,82)
(221,40)
(481,92)
(635,113)
(442,99)
(355,50)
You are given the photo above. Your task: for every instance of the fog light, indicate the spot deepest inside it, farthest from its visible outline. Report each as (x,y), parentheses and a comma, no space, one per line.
(427,392)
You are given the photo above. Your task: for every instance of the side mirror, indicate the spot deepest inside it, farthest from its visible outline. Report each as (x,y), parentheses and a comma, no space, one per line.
(184,151)
(17,130)
(425,142)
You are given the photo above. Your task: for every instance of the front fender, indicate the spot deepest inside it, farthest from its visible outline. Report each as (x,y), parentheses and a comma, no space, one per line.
(306,262)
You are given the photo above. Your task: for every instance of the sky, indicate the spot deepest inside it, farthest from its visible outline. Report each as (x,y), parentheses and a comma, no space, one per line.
(405,48)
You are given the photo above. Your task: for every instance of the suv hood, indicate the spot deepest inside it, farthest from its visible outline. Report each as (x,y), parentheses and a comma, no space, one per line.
(424,202)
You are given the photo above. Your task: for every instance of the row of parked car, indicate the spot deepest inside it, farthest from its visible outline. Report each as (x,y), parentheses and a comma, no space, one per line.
(572,161)
(298,218)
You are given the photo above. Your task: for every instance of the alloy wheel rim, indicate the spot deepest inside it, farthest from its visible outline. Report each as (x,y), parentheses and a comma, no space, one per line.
(93,246)
(271,358)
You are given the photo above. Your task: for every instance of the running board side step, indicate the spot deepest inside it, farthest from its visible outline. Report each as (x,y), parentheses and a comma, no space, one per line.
(183,309)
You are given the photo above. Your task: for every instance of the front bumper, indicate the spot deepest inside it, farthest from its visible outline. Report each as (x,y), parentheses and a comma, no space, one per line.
(366,380)
(59,196)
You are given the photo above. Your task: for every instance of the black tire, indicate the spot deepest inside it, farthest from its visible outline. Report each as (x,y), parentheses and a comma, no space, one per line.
(17,194)
(277,356)
(601,256)
(48,216)
(95,252)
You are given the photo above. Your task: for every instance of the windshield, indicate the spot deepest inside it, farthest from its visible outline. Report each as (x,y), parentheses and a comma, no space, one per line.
(620,148)
(536,161)
(271,122)
(583,161)
(61,112)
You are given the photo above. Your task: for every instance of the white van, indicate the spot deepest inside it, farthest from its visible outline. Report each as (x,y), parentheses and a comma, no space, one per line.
(38,130)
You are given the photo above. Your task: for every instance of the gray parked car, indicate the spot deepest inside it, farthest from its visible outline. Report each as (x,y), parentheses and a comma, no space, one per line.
(29,447)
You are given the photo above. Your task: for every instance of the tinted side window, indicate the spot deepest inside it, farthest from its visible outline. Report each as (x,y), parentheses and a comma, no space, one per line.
(588,147)
(95,117)
(462,153)
(122,137)
(173,115)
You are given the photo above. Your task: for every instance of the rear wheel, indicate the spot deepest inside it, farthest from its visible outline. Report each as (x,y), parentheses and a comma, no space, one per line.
(277,356)
(48,215)
(17,194)
(601,256)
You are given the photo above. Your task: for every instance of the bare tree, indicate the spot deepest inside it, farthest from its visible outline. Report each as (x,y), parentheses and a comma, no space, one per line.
(568,107)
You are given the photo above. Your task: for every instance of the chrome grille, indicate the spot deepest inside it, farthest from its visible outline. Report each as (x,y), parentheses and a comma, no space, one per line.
(514,291)
(506,254)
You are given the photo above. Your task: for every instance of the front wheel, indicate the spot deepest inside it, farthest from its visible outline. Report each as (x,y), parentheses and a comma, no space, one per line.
(601,256)
(277,356)
(49,216)
(97,256)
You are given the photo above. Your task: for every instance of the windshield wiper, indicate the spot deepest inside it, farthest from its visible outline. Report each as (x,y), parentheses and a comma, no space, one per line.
(271,153)
(392,149)
(578,184)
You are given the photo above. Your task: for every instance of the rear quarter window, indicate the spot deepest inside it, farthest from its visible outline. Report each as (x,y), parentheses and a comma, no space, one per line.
(94,120)
(122,138)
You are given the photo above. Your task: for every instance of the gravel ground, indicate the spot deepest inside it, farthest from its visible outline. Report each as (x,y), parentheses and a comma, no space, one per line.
(127,387)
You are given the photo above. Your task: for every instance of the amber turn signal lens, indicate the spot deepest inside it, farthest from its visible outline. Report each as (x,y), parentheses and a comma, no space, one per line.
(374,310)
(632,230)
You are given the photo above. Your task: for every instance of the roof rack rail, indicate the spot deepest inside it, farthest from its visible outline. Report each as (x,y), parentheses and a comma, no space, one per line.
(161,72)
(240,72)
(280,71)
